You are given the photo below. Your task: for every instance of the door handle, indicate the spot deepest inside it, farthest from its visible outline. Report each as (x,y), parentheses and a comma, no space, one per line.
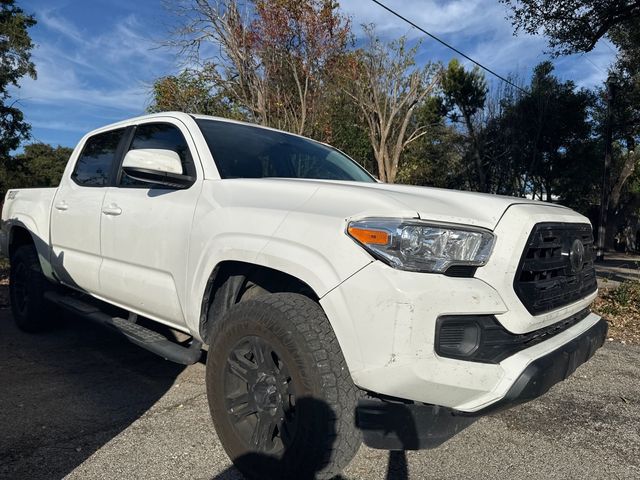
(112,209)
(62,205)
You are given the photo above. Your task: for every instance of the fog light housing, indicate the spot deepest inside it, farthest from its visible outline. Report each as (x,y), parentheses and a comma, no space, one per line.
(457,337)
(481,338)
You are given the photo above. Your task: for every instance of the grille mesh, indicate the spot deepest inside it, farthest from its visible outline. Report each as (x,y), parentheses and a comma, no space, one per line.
(545,279)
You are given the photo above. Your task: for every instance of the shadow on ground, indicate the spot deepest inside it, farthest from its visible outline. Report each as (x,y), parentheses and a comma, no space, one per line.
(77,386)
(73,389)
(299,462)
(397,468)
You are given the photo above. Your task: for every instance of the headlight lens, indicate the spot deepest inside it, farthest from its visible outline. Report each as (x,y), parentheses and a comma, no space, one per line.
(420,246)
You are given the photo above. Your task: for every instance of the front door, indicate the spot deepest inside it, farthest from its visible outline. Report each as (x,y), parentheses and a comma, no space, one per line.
(146,229)
(76,212)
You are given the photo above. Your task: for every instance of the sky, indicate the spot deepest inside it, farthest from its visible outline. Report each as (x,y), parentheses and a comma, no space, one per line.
(97,59)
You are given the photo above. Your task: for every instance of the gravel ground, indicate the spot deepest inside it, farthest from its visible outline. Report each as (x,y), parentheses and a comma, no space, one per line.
(82,403)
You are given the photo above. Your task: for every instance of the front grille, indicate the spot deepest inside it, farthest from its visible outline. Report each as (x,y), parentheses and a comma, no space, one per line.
(549,275)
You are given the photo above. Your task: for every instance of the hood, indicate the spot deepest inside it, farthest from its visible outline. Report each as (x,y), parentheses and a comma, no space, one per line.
(356,200)
(454,206)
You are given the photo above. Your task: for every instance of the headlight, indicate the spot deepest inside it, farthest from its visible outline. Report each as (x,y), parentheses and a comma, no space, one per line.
(422,247)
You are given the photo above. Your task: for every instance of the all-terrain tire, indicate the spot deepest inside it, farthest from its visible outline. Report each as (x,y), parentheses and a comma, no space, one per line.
(318,436)
(27,285)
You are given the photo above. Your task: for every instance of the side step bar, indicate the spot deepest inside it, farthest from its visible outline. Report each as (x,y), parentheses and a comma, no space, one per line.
(141,336)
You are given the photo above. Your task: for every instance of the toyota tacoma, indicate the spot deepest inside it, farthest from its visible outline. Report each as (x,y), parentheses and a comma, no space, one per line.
(333,308)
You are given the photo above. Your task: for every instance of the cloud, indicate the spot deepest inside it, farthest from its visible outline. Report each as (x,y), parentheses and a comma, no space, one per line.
(480,29)
(590,69)
(96,60)
(89,73)
(441,17)
(59,25)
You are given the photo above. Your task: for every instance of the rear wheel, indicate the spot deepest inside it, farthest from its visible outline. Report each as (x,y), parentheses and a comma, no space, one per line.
(280,394)
(27,285)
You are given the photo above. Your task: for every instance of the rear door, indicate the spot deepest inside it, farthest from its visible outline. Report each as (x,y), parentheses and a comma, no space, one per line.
(76,212)
(146,229)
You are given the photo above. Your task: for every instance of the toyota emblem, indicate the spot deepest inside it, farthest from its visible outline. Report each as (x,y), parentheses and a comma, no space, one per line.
(576,256)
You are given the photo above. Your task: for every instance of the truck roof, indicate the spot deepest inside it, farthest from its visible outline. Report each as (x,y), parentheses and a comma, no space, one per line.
(186,116)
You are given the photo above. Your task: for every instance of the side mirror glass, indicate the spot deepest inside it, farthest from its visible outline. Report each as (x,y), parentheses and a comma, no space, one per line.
(157,166)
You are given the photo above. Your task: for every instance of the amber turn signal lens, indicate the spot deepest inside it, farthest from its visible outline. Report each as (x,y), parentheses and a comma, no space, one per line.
(369,237)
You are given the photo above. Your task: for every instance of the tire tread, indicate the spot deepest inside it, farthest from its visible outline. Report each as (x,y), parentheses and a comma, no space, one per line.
(305,319)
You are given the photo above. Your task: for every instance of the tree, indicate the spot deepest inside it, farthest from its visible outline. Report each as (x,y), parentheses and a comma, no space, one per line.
(626,107)
(15,63)
(275,60)
(436,158)
(626,132)
(497,140)
(624,128)
(40,165)
(346,130)
(549,126)
(465,93)
(191,91)
(573,26)
(387,87)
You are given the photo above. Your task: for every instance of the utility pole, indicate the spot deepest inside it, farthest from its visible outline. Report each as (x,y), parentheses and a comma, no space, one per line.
(608,148)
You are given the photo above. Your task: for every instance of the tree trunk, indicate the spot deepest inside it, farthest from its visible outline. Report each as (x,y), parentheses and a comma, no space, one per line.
(628,168)
(482,180)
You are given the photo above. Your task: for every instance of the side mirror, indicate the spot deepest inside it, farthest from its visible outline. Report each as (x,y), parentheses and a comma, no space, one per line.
(160,167)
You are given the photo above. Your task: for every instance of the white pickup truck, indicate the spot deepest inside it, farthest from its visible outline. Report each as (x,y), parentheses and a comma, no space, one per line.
(333,307)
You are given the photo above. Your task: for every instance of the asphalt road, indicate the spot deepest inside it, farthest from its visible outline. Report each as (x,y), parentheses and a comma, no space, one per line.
(82,403)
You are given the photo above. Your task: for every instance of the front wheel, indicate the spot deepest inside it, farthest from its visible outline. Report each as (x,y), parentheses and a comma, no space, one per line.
(280,394)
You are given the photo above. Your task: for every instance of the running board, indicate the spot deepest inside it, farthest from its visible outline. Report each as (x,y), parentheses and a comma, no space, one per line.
(141,336)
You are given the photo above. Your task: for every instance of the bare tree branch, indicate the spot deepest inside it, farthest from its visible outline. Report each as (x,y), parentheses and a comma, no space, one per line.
(387,87)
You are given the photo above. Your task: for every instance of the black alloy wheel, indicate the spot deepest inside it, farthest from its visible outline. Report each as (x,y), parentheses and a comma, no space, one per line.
(260,396)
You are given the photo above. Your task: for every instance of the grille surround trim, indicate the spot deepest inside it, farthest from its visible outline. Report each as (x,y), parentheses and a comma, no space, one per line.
(545,280)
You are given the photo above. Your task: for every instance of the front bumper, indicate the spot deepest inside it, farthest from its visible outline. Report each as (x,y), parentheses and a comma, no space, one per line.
(400,426)
(552,368)
(392,315)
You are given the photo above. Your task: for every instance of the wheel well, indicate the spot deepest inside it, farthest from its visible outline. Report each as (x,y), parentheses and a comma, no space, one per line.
(19,236)
(233,282)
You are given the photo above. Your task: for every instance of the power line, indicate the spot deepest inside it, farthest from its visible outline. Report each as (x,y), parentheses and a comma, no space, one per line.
(606,42)
(588,60)
(393,12)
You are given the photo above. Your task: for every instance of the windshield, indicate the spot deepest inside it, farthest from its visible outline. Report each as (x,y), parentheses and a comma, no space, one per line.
(244,151)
